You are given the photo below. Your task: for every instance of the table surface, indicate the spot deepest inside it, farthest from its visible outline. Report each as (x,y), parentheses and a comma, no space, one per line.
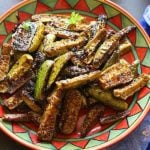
(136,8)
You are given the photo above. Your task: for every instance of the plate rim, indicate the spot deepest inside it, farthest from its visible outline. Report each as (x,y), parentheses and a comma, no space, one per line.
(121,136)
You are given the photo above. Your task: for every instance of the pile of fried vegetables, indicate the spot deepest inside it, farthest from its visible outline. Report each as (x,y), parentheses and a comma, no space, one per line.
(57,65)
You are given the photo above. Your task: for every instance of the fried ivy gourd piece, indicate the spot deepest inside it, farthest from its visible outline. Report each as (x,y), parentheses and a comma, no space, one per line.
(41,79)
(91,118)
(114,117)
(28,36)
(5,61)
(48,121)
(108,46)
(132,87)
(20,67)
(79,80)
(72,105)
(117,74)
(107,98)
(57,67)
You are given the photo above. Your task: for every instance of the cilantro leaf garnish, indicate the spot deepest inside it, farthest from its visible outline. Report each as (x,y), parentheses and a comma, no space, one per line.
(74,18)
(26,26)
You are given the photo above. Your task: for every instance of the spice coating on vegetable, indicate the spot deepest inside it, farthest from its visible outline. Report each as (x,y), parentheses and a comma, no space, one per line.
(42,77)
(59,68)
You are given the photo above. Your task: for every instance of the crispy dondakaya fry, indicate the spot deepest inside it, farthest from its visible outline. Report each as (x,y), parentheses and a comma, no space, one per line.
(117,74)
(48,120)
(107,98)
(48,39)
(30,102)
(42,77)
(91,101)
(26,117)
(61,22)
(28,36)
(92,118)
(77,62)
(35,117)
(114,118)
(15,85)
(20,67)
(16,117)
(92,44)
(72,71)
(4,61)
(110,32)
(16,99)
(133,87)
(62,46)
(134,68)
(4,86)
(13,101)
(112,60)
(124,47)
(61,33)
(71,108)
(109,45)
(58,65)
(78,81)
(99,33)
(39,58)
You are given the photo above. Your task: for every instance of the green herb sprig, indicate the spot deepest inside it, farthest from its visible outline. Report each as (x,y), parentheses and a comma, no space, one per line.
(74,18)
(26,26)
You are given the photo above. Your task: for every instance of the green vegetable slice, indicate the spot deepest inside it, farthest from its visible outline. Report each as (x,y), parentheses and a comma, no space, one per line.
(58,65)
(41,79)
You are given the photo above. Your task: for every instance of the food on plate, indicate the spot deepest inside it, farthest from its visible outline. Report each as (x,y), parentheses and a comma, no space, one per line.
(107,98)
(48,121)
(91,118)
(61,33)
(117,74)
(108,46)
(59,67)
(71,105)
(72,71)
(13,101)
(4,86)
(20,67)
(98,34)
(5,61)
(112,60)
(16,117)
(78,81)
(59,62)
(39,58)
(26,117)
(77,62)
(42,77)
(132,87)
(35,117)
(60,47)
(114,117)
(29,100)
(28,36)
(15,85)
(125,46)
(134,68)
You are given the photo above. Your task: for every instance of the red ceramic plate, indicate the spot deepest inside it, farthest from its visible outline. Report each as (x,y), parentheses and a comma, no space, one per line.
(139,104)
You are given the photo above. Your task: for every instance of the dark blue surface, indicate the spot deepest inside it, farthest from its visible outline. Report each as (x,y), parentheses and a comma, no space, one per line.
(145,26)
